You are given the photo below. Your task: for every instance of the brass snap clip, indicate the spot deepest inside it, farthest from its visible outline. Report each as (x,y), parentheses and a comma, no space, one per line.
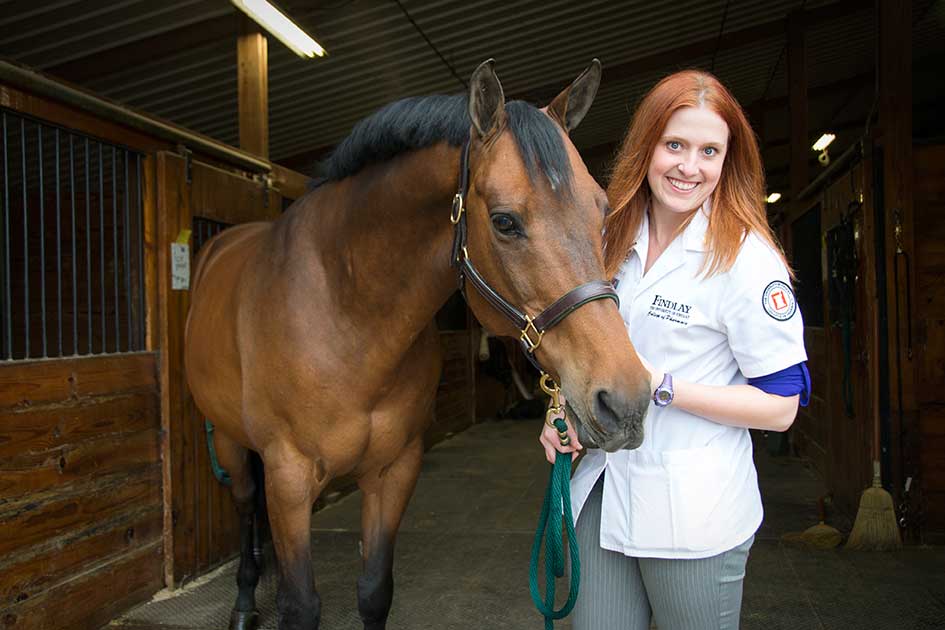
(551,388)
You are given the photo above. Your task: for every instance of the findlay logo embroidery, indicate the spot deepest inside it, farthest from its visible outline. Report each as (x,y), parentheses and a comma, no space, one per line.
(670,310)
(779,301)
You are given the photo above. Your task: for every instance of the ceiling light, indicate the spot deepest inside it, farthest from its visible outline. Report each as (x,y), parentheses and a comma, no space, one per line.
(284,29)
(823,142)
(773,197)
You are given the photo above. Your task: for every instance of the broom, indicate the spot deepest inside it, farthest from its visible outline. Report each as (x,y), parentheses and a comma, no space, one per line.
(820,536)
(876,527)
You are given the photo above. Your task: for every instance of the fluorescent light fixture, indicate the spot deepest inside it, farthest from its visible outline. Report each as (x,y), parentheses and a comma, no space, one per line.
(823,142)
(773,197)
(284,29)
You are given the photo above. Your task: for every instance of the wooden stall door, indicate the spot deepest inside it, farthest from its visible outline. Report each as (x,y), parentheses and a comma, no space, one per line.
(201,527)
(851,342)
(928,318)
(80,489)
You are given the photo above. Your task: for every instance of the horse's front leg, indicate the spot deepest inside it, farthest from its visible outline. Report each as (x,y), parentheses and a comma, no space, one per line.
(290,492)
(384,499)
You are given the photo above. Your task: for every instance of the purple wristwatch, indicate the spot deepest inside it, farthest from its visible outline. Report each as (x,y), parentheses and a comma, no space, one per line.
(664,393)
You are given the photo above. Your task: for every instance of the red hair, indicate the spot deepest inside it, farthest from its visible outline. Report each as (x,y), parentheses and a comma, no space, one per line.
(738,207)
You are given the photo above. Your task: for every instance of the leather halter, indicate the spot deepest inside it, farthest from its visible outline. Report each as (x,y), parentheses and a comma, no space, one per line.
(531,329)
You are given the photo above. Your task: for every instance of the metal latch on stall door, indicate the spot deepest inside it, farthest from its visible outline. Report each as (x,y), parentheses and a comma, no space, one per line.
(187,154)
(266,181)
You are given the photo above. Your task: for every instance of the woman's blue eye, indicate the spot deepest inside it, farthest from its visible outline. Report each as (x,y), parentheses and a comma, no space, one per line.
(673,145)
(710,150)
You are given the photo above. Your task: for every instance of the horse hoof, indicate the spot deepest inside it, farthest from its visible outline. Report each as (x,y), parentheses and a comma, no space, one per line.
(240,620)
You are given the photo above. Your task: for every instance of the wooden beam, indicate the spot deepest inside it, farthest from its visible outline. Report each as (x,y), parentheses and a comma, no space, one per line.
(797,101)
(289,183)
(253,87)
(174,215)
(895,118)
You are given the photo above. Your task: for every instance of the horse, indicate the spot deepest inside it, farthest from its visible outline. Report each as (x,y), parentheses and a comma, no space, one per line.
(311,339)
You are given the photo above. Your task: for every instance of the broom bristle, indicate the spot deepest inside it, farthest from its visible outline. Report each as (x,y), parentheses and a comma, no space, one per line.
(875,527)
(820,536)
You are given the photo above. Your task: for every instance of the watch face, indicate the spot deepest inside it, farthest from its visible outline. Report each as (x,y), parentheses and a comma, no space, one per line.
(664,396)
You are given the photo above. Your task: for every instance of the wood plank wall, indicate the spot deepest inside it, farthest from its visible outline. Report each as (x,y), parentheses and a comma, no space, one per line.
(836,434)
(455,395)
(928,319)
(80,490)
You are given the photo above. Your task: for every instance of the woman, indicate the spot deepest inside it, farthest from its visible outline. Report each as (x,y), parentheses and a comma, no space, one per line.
(664,530)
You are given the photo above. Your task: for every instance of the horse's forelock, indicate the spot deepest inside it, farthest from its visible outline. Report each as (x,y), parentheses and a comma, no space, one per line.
(539,142)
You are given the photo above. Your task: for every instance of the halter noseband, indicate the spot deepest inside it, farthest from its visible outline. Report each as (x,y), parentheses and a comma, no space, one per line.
(531,329)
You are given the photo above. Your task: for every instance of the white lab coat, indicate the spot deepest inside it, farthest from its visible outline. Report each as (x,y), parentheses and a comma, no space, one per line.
(691,490)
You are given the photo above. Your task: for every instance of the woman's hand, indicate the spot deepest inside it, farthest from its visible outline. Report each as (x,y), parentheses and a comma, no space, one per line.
(552,443)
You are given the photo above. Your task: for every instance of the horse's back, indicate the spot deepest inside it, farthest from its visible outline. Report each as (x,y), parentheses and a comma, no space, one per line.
(232,242)
(211,352)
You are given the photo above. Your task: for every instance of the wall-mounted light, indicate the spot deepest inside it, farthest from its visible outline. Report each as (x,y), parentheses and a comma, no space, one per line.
(824,141)
(773,197)
(284,29)
(821,145)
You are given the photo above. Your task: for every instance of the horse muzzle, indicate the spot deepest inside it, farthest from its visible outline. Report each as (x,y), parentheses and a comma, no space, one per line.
(615,423)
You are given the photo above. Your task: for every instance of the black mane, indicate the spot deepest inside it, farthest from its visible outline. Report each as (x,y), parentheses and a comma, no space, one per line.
(418,122)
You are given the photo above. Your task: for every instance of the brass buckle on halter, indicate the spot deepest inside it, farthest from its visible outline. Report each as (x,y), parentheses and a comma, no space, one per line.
(457,210)
(526,336)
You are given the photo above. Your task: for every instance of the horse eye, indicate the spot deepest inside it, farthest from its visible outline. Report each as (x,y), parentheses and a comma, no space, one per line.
(505,224)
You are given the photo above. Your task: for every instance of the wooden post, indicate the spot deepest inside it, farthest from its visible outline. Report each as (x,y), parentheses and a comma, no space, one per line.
(174,215)
(253,84)
(895,117)
(797,102)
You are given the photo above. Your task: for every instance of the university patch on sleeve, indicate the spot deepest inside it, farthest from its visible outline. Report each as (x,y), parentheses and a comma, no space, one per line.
(778,300)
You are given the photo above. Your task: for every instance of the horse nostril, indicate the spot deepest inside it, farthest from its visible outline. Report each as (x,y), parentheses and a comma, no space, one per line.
(604,410)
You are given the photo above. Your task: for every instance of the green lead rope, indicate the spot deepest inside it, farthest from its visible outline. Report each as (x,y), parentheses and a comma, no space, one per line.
(218,471)
(557,502)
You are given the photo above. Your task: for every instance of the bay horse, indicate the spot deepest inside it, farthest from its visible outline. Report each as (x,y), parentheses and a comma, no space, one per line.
(311,341)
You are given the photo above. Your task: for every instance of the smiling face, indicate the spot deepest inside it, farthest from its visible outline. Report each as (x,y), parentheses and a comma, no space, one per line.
(687,161)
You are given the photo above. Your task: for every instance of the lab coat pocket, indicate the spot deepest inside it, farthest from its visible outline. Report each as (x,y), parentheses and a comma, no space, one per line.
(650,509)
(697,481)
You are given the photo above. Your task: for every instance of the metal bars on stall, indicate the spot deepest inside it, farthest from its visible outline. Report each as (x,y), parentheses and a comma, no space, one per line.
(204,230)
(72,258)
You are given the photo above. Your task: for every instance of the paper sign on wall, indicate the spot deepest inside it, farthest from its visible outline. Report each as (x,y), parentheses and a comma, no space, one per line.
(180,262)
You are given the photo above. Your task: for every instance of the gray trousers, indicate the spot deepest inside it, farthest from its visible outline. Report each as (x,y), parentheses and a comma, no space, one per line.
(622,593)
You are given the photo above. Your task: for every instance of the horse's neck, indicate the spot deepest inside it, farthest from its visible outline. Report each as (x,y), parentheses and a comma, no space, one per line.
(388,249)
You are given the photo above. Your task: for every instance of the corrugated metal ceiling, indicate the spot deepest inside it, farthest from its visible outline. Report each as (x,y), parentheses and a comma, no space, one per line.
(376,55)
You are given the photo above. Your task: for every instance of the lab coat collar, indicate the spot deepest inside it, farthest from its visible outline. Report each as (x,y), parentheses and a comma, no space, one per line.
(692,239)
(695,233)
(693,236)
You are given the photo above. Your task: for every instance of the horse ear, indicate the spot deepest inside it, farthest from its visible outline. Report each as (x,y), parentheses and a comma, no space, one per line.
(486,100)
(569,107)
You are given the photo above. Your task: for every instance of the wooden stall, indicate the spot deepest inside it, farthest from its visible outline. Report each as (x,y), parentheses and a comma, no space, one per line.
(106,494)
(836,288)
(852,289)
(927,506)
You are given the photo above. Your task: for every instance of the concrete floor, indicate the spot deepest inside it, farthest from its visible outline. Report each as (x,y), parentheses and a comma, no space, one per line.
(463,551)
